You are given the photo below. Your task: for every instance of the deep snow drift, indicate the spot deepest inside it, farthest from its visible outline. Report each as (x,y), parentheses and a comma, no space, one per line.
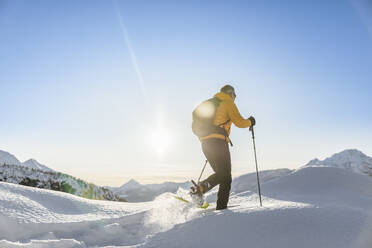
(310,207)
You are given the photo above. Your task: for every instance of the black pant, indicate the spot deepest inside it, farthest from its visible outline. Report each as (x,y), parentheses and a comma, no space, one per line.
(218,154)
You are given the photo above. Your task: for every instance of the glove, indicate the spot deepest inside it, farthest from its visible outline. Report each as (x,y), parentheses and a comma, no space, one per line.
(253,120)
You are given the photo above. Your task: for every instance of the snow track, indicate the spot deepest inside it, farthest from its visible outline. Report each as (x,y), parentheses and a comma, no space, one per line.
(127,230)
(33,216)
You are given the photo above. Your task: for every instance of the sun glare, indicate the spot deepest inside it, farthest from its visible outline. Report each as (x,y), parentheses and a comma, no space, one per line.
(159,140)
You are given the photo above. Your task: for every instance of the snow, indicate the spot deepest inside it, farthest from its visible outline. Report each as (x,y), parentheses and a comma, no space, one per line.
(63,243)
(314,206)
(28,214)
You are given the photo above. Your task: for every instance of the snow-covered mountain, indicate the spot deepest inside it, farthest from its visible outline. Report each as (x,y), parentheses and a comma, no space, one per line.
(33,164)
(32,173)
(350,159)
(10,159)
(314,206)
(131,184)
(7,158)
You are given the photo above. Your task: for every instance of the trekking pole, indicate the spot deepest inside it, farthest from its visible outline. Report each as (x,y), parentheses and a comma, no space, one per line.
(255,158)
(206,161)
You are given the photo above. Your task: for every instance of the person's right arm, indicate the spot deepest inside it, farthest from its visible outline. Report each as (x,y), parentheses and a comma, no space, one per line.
(236,117)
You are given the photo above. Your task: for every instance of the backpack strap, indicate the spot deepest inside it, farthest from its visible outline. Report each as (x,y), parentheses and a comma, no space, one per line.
(222,130)
(223,123)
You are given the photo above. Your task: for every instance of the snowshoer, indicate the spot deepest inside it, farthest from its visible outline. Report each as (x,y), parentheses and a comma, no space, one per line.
(212,121)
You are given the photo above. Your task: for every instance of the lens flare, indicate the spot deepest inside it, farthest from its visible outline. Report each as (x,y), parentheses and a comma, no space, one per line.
(205,110)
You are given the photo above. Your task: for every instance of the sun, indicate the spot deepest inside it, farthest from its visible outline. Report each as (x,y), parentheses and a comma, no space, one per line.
(159,140)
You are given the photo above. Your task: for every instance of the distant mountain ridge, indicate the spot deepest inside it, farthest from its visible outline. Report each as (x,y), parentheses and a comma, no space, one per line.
(10,159)
(131,184)
(32,173)
(133,191)
(350,159)
(7,158)
(33,164)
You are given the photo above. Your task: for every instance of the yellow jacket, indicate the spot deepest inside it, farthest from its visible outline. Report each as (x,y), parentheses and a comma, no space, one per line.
(227,110)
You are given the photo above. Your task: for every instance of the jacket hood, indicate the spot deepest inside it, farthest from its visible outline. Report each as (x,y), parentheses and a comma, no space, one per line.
(223,96)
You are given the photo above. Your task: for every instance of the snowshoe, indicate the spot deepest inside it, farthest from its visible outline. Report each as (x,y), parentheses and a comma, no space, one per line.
(201,204)
(196,193)
(196,196)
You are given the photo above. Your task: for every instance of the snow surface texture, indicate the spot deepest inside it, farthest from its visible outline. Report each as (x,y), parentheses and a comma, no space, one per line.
(314,206)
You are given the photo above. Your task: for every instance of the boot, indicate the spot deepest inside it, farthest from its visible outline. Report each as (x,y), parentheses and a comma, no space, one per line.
(196,193)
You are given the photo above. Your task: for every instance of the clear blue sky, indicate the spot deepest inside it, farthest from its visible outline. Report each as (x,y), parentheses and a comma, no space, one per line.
(87,87)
